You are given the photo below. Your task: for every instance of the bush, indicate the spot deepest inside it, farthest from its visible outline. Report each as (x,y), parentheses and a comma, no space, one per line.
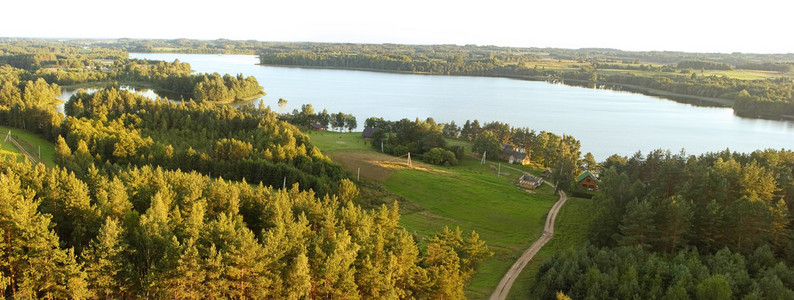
(439,156)
(458,150)
(400,150)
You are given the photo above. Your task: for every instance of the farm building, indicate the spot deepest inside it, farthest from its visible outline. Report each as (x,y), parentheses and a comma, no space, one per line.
(319,127)
(546,173)
(367,133)
(588,181)
(529,182)
(513,156)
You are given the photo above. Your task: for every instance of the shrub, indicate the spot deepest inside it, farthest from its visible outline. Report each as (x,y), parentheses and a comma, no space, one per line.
(439,156)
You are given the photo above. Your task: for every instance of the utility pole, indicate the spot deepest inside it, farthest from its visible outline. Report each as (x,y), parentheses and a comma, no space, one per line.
(499,172)
(284,186)
(381,147)
(482,162)
(358,175)
(409,160)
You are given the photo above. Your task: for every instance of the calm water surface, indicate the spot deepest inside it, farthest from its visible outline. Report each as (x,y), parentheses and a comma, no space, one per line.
(607,122)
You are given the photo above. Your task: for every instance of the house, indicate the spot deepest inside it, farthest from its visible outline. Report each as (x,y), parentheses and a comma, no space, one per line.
(546,173)
(319,127)
(514,157)
(367,133)
(529,182)
(588,181)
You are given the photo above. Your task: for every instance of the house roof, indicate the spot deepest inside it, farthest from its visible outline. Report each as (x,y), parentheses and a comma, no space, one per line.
(507,148)
(519,155)
(367,133)
(584,175)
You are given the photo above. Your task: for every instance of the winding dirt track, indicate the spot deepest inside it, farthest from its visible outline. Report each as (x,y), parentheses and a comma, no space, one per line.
(507,281)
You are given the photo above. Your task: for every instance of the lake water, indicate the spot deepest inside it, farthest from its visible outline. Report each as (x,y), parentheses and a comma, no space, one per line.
(606,121)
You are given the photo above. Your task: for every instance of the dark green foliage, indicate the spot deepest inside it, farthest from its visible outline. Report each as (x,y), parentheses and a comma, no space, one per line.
(666,202)
(31,105)
(702,64)
(439,156)
(458,150)
(630,272)
(488,144)
(247,143)
(405,136)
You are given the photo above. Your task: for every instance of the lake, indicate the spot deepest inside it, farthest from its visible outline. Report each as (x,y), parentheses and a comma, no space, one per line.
(606,121)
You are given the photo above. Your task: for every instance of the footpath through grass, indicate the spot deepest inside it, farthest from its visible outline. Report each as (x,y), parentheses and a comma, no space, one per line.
(30,142)
(570,231)
(469,196)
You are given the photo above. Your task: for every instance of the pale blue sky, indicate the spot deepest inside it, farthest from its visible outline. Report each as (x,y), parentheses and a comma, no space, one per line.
(761,26)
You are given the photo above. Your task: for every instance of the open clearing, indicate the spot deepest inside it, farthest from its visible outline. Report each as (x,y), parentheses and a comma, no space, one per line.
(30,142)
(470,196)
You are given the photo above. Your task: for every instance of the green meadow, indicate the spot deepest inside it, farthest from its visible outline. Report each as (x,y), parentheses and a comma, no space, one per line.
(30,142)
(471,195)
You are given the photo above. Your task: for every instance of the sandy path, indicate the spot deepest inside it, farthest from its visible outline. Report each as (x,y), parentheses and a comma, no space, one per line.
(506,283)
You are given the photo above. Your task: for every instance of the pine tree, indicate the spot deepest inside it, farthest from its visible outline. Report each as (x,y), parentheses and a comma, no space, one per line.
(637,226)
(298,281)
(63,155)
(32,261)
(104,261)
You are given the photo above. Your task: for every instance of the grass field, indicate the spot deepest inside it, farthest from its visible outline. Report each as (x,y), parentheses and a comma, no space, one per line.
(469,196)
(30,142)
(8,148)
(570,231)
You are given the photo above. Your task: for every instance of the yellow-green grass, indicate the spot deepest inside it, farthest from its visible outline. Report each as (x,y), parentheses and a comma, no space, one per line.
(8,149)
(474,198)
(746,74)
(570,231)
(30,142)
(470,196)
(329,141)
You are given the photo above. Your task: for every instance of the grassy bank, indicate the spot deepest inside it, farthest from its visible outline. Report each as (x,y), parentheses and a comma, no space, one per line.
(30,142)
(470,196)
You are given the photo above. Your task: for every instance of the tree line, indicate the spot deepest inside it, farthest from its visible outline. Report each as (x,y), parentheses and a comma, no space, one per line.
(307,118)
(720,217)
(151,233)
(753,98)
(560,153)
(419,138)
(120,127)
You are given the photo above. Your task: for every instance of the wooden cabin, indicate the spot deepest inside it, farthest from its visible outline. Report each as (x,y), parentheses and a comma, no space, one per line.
(319,127)
(367,133)
(588,181)
(529,182)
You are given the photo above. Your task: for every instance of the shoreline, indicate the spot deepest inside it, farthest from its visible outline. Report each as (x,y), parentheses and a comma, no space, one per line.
(149,86)
(680,98)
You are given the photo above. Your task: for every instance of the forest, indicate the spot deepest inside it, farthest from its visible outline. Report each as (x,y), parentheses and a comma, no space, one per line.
(191,199)
(674,226)
(67,64)
(158,199)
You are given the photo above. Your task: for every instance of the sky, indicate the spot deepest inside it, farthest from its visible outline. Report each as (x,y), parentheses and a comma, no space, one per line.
(759,26)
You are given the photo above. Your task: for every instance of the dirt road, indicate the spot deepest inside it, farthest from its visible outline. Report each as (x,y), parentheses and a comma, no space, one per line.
(506,283)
